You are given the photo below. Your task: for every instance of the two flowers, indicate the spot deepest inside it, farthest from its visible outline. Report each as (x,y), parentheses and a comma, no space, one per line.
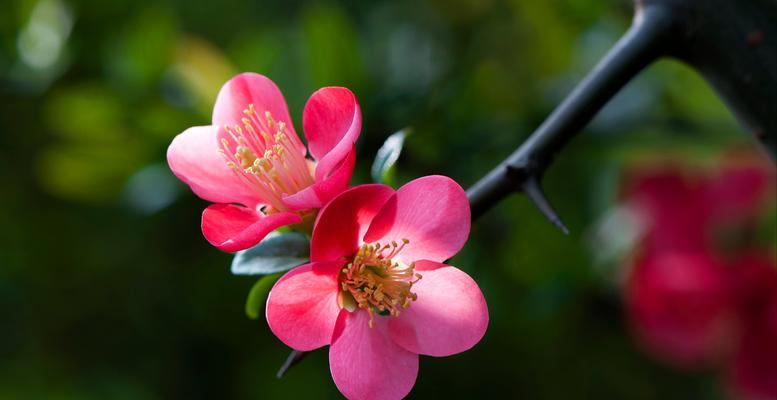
(376,289)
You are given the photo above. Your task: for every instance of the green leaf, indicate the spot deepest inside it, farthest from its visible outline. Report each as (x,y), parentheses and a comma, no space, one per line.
(258,293)
(278,252)
(383,166)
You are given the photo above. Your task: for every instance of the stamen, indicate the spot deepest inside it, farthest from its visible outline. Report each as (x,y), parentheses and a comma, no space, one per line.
(377,283)
(266,157)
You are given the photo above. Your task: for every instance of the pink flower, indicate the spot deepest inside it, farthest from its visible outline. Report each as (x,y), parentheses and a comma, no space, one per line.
(680,308)
(252,164)
(752,371)
(377,290)
(683,208)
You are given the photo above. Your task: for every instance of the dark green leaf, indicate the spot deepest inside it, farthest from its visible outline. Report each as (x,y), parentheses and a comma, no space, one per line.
(258,293)
(383,166)
(278,252)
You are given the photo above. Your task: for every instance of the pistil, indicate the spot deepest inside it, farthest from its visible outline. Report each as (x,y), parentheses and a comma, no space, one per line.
(376,283)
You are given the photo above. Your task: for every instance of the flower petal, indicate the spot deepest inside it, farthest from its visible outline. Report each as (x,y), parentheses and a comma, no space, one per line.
(302,306)
(342,223)
(321,192)
(332,122)
(449,316)
(193,157)
(250,88)
(680,308)
(432,212)
(366,363)
(232,228)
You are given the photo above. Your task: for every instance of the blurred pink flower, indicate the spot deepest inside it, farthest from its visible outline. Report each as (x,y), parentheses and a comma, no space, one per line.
(680,308)
(697,298)
(377,290)
(753,368)
(252,164)
(682,207)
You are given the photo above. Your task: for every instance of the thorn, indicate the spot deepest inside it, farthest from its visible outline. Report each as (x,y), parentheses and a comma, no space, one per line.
(294,357)
(532,189)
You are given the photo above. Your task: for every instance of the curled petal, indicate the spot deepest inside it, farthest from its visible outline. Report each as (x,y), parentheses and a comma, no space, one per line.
(449,316)
(302,306)
(342,223)
(249,88)
(232,228)
(332,122)
(432,212)
(321,192)
(193,157)
(366,363)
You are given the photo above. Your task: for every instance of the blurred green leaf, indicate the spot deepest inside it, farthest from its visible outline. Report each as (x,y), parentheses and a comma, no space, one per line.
(86,112)
(201,69)
(278,252)
(332,47)
(388,154)
(87,172)
(144,48)
(258,293)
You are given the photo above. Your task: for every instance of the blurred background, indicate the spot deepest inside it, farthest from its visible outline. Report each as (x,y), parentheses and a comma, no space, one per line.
(109,291)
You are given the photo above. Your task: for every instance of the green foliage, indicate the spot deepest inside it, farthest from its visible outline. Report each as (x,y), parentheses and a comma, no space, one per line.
(278,252)
(382,170)
(258,294)
(331,46)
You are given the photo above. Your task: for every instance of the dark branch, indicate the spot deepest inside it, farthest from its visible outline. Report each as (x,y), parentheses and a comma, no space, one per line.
(642,44)
(531,188)
(732,43)
(294,357)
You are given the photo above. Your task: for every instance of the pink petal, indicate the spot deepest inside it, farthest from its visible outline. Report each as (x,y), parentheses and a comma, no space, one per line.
(366,363)
(670,203)
(302,306)
(753,368)
(232,228)
(320,193)
(342,223)
(449,316)
(250,88)
(193,157)
(680,307)
(739,189)
(432,212)
(332,122)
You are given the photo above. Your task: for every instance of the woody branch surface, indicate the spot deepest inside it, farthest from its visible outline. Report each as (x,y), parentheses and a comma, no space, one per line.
(732,44)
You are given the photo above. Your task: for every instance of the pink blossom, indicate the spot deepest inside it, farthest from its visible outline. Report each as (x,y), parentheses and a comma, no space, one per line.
(252,164)
(752,370)
(698,294)
(377,289)
(680,308)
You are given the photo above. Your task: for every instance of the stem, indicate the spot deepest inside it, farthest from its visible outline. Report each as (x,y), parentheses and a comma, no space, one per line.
(733,45)
(641,45)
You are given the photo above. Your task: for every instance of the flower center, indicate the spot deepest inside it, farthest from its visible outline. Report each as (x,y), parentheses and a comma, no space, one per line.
(266,157)
(373,281)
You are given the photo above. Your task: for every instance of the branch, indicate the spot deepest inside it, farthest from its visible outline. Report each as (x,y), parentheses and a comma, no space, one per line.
(641,45)
(732,43)
(294,357)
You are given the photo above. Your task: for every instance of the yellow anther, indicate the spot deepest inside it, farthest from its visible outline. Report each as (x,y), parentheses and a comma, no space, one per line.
(376,282)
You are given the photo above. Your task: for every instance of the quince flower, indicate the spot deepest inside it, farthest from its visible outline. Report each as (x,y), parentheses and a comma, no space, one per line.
(376,290)
(252,164)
